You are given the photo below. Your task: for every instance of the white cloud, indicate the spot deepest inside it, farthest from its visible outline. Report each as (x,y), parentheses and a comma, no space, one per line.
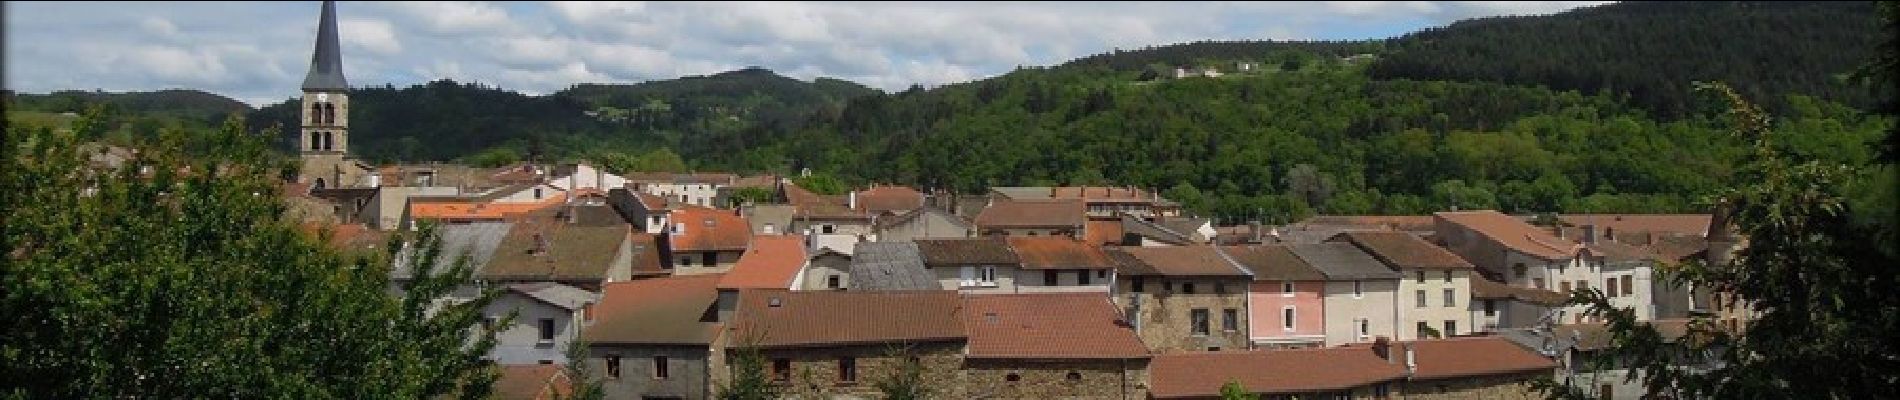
(159,26)
(373,35)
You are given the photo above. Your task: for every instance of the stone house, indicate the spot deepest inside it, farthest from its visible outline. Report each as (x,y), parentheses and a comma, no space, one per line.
(1052,217)
(1285,302)
(1050,345)
(547,317)
(971,264)
(648,213)
(653,338)
(825,344)
(1182,298)
(1360,293)
(1059,264)
(704,240)
(1435,289)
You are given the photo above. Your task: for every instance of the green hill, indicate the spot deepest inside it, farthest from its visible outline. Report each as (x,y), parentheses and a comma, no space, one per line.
(191,105)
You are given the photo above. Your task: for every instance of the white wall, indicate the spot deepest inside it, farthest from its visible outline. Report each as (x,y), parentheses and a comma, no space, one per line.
(701,194)
(1435,312)
(520,343)
(1343,309)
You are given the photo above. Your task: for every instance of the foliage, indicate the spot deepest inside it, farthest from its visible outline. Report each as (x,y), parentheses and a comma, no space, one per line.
(173,276)
(821,183)
(586,386)
(749,379)
(494,157)
(907,382)
(754,195)
(1816,272)
(1233,390)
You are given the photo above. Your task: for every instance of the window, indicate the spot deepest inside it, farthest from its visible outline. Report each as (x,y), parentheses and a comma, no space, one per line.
(547,329)
(1447,276)
(770,229)
(1220,287)
(1451,327)
(1421,276)
(1451,297)
(781,369)
(832,282)
(847,369)
(1187,287)
(1286,289)
(1082,277)
(1537,282)
(1381,391)
(316,141)
(827,228)
(1609,286)
(659,367)
(1358,289)
(1229,320)
(1421,299)
(1365,328)
(1101,273)
(613,366)
(1134,284)
(686,261)
(1566,287)
(1519,268)
(709,258)
(1049,278)
(1198,317)
(1286,319)
(1422,328)
(1073,377)
(1490,308)
(1012,377)
(1628,284)
(1583,285)
(537,193)
(989,275)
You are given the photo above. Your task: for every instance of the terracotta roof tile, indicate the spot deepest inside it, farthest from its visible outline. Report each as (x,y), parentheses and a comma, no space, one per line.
(707,229)
(1178,261)
(1597,336)
(1690,224)
(650,201)
(812,205)
(646,255)
(1048,326)
(465,209)
(1273,263)
(960,251)
(1067,213)
(770,263)
(1103,232)
(1513,233)
(1403,250)
(825,318)
(532,382)
(1052,252)
(1393,222)
(667,310)
(1473,356)
(1201,374)
(895,199)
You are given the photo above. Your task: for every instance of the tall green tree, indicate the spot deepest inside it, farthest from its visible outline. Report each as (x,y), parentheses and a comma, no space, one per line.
(172,276)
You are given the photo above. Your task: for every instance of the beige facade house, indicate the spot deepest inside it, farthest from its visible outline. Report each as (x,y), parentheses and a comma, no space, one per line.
(1360,295)
(971,264)
(1183,298)
(699,189)
(1435,287)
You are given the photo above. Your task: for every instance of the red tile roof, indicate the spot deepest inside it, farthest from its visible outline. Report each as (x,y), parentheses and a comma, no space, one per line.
(1201,374)
(1513,233)
(770,263)
(1065,213)
(532,382)
(1691,224)
(707,229)
(650,201)
(347,236)
(1403,250)
(1395,222)
(807,204)
(464,209)
(1179,261)
(668,310)
(1473,356)
(835,318)
(646,255)
(1048,326)
(1055,252)
(1102,232)
(896,199)
(1102,194)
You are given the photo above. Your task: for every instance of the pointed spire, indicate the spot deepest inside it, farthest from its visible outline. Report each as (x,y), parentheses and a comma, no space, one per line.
(326,63)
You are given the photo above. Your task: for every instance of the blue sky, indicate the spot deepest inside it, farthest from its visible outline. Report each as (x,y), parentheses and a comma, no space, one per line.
(257,52)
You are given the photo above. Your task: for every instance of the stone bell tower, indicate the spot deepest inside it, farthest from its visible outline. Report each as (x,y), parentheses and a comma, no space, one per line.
(324,134)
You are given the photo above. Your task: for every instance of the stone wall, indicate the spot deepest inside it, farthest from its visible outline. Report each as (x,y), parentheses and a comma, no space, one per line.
(814,371)
(1036,379)
(1491,387)
(687,372)
(1165,320)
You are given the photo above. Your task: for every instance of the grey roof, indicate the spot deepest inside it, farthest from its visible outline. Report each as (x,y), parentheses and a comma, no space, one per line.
(779,215)
(1343,261)
(326,62)
(890,266)
(1188,227)
(1150,230)
(555,294)
(477,240)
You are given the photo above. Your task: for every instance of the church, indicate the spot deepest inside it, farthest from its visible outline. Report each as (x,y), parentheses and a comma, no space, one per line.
(324,129)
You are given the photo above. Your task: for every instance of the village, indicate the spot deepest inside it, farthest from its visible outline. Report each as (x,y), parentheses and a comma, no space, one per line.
(1020,292)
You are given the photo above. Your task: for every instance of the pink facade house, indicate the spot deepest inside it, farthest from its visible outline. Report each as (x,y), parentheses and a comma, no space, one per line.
(1284,301)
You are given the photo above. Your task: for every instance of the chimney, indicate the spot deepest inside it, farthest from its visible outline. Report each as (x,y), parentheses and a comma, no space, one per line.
(1382,348)
(1253,231)
(1589,234)
(851,200)
(1411,360)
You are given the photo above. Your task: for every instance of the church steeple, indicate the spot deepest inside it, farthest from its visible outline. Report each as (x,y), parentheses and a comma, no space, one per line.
(326,63)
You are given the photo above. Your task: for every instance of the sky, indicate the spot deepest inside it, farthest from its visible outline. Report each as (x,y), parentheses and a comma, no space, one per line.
(258,52)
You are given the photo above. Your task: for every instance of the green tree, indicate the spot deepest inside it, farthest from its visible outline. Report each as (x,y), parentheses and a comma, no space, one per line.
(1816,271)
(494,157)
(173,276)
(1233,390)
(907,382)
(1306,183)
(821,183)
(751,194)
(585,385)
(661,160)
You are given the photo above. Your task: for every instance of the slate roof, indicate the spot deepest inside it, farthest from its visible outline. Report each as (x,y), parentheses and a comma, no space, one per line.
(1403,250)
(1033,214)
(1342,261)
(326,61)
(1273,263)
(477,241)
(770,263)
(890,266)
(834,318)
(1048,326)
(1176,261)
(1055,252)
(1201,374)
(666,310)
(965,251)
(571,252)
(1513,233)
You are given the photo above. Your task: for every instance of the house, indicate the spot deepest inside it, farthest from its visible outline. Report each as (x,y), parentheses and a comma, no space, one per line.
(647,212)
(499,204)
(885,200)
(1360,293)
(1580,351)
(1065,265)
(769,219)
(700,189)
(770,262)
(1436,286)
(1102,203)
(1527,256)
(1045,346)
(1317,373)
(1182,298)
(1496,306)
(1139,232)
(704,240)
(829,221)
(582,176)
(826,344)
(652,338)
(1285,302)
(971,264)
(887,266)
(922,222)
(547,317)
(1470,368)
(827,270)
(547,249)
(1057,217)
(532,382)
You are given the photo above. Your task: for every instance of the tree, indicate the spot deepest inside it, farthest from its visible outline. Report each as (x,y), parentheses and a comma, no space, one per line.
(585,385)
(907,382)
(1233,390)
(173,276)
(1307,183)
(821,183)
(741,196)
(749,380)
(1816,271)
